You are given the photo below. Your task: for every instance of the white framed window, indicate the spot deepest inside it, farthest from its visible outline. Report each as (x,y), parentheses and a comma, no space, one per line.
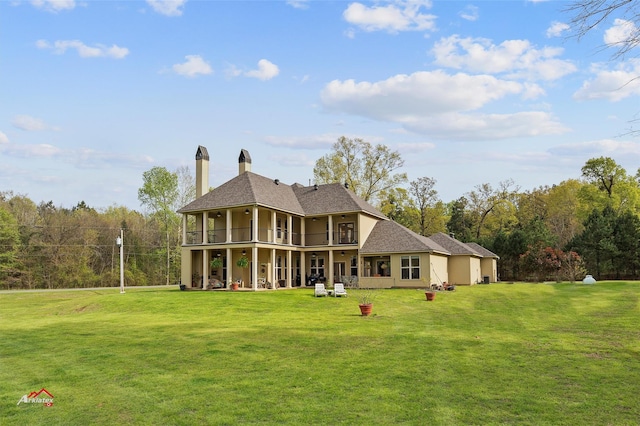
(410,267)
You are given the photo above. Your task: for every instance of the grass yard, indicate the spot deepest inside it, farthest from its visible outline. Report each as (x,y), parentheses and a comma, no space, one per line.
(536,354)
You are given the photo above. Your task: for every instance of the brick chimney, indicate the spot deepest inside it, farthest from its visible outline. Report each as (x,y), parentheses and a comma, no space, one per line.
(244,162)
(202,171)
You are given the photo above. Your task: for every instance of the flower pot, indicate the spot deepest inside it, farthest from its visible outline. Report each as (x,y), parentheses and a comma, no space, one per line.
(430,295)
(234,286)
(183,287)
(365,310)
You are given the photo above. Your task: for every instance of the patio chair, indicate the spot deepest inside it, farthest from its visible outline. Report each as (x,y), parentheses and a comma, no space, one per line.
(338,290)
(320,290)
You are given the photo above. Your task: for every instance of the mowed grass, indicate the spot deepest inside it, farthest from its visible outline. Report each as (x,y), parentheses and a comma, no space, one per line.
(537,354)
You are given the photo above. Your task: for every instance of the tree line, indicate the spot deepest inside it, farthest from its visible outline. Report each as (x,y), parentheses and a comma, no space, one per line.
(559,232)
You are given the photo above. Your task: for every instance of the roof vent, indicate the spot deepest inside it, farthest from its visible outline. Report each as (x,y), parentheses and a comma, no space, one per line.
(346,185)
(277,181)
(315,186)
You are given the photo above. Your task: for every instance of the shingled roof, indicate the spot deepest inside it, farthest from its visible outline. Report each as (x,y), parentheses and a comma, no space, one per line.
(483,251)
(332,198)
(388,236)
(252,189)
(248,189)
(454,246)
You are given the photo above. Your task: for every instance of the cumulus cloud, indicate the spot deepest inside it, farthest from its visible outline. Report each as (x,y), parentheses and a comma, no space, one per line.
(266,70)
(556,29)
(401,97)
(440,105)
(3,138)
(61,46)
(54,5)
(167,7)
(193,67)
(393,17)
(611,84)
(470,13)
(516,58)
(28,123)
(621,32)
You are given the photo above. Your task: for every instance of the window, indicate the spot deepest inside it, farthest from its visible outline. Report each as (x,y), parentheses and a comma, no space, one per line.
(354,266)
(279,228)
(346,233)
(410,267)
(317,266)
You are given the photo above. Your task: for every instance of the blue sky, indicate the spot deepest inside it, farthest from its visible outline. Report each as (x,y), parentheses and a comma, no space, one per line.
(94,93)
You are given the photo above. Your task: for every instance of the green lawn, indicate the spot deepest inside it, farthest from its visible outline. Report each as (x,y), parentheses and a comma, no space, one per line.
(538,354)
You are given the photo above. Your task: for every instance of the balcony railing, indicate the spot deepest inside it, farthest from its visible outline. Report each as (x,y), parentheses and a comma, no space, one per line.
(265,235)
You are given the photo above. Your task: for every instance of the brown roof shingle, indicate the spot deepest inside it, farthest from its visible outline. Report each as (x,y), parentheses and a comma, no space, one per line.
(388,236)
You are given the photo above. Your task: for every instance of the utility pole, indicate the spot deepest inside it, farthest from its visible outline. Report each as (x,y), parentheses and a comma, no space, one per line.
(120,244)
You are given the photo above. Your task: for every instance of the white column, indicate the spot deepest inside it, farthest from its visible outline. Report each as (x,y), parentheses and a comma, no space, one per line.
(289,270)
(330,230)
(254,268)
(331,272)
(229,226)
(184,229)
(274,230)
(289,229)
(254,224)
(205,269)
(205,220)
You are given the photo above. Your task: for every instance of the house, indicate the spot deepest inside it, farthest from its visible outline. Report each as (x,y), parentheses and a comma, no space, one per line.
(295,235)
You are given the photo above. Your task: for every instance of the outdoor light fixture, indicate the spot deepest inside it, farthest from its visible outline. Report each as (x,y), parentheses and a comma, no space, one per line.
(343,216)
(218,214)
(246,211)
(313,255)
(120,244)
(341,253)
(244,252)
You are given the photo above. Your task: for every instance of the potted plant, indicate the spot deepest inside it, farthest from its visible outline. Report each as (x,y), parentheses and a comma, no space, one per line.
(365,301)
(216,263)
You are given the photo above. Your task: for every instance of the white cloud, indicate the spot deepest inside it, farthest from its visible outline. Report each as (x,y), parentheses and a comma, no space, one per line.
(298,4)
(608,147)
(167,7)
(4,139)
(440,105)
(193,67)
(470,13)
(517,57)
(415,147)
(611,84)
(54,5)
(324,141)
(61,46)
(393,17)
(556,29)
(420,94)
(477,126)
(266,70)
(28,123)
(621,32)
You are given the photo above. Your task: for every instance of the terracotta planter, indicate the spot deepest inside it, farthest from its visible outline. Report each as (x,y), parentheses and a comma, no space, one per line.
(366,309)
(430,295)
(234,286)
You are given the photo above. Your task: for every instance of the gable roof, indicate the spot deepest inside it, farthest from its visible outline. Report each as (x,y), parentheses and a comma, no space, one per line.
(454,246)
(388,236)
(483,251)
(252,189)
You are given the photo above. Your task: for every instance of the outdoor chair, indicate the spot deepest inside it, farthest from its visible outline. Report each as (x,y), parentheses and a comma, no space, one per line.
(338,290)
(320,290)
(437,287)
